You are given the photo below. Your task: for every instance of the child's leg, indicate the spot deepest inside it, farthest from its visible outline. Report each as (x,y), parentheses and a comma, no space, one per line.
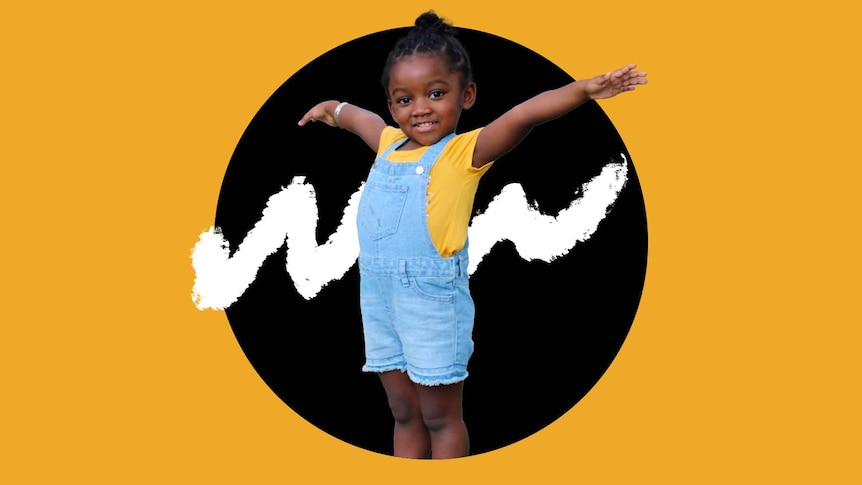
(411,438)
(442,415)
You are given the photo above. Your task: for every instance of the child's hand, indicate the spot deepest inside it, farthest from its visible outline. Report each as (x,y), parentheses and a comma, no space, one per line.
(324,112)
(615,82)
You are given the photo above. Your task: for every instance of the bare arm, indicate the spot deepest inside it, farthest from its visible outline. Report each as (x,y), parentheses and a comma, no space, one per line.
(361,122)
(504,133)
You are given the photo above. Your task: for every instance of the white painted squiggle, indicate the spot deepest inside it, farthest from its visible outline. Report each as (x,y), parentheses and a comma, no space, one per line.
(290,217)
(539,236)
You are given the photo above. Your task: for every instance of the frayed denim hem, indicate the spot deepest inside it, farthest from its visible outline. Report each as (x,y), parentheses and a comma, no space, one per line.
(454,375)
(381,368)
(425,377)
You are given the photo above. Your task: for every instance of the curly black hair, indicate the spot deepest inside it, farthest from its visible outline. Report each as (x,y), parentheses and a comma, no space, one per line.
(431,34)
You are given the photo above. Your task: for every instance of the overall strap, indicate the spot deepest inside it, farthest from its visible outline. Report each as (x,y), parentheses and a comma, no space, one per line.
(431,154)
(385,154)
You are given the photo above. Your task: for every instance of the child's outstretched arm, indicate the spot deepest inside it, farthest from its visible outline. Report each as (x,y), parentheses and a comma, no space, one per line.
(364,123)
(504,133)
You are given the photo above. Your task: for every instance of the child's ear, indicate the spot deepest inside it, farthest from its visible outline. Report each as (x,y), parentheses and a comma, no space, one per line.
(468,96)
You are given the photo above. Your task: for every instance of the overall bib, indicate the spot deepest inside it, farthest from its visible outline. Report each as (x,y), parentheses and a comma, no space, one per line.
(417,312)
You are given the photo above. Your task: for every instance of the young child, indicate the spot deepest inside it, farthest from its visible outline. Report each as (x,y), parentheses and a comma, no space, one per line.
(417,312)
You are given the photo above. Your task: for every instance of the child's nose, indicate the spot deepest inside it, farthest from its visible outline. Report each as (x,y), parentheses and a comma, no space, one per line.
(421,106)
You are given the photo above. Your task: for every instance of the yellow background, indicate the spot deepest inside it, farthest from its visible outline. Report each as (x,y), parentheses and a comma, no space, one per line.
(119,120)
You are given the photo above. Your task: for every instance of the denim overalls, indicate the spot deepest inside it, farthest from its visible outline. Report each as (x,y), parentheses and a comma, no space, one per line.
(417,312)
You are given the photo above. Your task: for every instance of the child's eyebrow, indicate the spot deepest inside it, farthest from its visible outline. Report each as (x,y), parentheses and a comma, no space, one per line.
(396,91)
(429,83)
(438,81)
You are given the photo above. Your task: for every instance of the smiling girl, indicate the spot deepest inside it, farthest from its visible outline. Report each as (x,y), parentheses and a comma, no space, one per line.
(417,312)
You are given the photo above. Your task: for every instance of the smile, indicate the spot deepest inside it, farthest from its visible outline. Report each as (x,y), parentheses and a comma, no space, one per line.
(424,126)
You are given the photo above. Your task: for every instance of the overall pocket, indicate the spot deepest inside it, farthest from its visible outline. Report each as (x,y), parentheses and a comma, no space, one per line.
(434,288)
(380,208)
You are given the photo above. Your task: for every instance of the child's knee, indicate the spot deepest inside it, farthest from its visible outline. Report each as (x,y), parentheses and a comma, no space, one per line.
(438,418)
(441,422)
(404,408)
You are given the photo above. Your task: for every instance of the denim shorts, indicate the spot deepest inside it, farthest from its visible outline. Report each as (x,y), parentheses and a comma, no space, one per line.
(418,321)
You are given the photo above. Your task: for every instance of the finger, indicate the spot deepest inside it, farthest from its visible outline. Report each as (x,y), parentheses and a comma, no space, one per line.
(621,73)
(306,118)
(625,69)
(635,77)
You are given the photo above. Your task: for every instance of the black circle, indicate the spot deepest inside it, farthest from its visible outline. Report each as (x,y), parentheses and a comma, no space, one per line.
(544,332)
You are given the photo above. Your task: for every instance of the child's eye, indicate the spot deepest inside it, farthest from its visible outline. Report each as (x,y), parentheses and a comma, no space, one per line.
(435,94)
(402,100)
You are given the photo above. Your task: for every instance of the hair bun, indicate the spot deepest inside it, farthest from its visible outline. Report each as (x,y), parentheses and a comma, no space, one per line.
(429,21)
(431,35)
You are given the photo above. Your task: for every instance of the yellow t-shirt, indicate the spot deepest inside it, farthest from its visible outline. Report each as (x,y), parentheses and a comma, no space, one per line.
(451,187)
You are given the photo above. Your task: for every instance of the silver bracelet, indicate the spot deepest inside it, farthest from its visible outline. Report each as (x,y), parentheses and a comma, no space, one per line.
(338,112)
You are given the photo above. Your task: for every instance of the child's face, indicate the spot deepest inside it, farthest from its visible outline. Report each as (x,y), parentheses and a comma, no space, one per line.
(426,98)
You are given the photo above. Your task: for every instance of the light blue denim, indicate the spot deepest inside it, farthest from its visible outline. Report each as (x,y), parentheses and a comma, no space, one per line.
(417,312)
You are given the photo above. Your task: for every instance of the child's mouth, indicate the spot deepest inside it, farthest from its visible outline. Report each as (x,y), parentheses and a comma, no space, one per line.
(424,126)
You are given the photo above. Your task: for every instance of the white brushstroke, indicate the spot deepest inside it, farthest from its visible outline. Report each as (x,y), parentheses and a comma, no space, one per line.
(539,236)
(290,217)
